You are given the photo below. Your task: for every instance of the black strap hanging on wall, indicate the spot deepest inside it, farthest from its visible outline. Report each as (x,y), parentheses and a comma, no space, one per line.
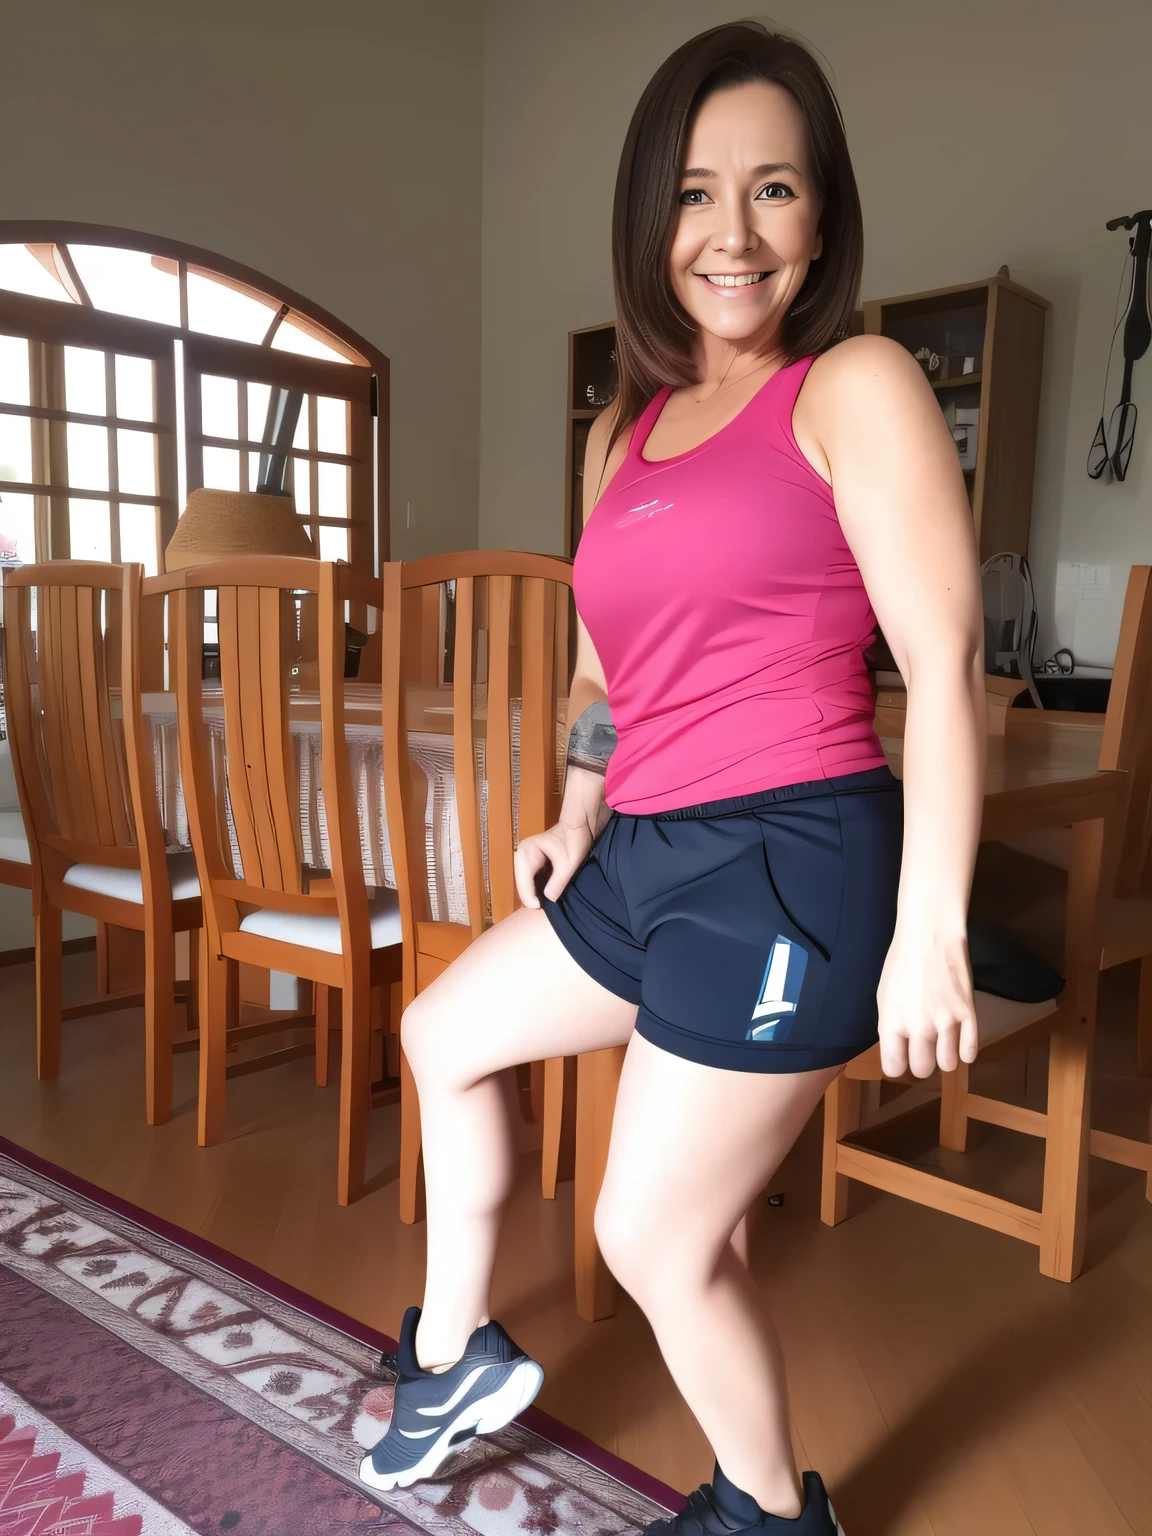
(1112,446)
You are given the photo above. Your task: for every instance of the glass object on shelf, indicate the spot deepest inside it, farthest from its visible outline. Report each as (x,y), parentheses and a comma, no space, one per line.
(964,425)
(598,395)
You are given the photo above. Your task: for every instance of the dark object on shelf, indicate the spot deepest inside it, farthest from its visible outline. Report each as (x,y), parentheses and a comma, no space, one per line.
(1112,448)
(956,363)
(776,1200)
(1086,694)
(210,659)
(1003,967)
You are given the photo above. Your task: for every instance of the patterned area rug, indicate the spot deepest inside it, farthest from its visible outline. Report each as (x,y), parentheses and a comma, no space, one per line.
(152,1385)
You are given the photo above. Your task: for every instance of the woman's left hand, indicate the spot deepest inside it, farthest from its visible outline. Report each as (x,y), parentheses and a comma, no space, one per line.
(927,1010)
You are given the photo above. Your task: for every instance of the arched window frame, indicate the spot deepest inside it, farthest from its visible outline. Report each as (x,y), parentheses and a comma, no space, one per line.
(50,325)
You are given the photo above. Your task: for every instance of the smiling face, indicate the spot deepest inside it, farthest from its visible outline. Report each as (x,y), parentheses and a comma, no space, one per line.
(747,224)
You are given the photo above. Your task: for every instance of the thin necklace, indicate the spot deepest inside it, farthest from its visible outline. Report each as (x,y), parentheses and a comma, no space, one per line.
(724,381)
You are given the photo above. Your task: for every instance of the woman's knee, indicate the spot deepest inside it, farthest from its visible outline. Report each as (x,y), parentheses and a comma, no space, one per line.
(654,1247)
(422,1037)
(638,1247)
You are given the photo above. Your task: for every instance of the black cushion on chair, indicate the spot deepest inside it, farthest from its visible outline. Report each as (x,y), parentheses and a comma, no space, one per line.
(1002,966)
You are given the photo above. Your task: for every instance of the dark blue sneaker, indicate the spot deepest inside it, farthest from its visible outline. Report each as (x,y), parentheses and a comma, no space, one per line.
(436,1412)
(719,1508)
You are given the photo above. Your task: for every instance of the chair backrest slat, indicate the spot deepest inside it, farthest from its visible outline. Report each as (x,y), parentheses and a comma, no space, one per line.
(537,703)
(254,661)
(498,749)
(277,639)
(464,751)
(1127,739)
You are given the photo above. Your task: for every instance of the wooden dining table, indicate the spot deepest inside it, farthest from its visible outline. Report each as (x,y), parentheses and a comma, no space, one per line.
(1040,773)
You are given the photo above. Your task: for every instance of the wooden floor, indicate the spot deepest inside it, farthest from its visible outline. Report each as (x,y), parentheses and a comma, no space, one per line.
(938,1382)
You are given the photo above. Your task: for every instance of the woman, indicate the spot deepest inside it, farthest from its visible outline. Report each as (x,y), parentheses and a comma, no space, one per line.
(747,898)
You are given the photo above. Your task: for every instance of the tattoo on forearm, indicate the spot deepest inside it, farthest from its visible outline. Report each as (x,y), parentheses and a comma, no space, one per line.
(592,739)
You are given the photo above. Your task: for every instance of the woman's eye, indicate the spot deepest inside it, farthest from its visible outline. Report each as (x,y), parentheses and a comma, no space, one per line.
(690,194)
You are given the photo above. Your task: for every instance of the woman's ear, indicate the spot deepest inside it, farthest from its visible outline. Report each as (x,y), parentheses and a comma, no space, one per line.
(816,254)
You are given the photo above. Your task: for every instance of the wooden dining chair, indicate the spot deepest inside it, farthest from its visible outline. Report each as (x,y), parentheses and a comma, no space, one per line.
(263,905)
(1066,1024)
(1126,911)
(1127,743)
(85,776)
(475,651)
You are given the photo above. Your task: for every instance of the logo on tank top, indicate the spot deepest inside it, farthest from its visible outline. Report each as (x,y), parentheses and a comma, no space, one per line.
(643,512)
(779,991)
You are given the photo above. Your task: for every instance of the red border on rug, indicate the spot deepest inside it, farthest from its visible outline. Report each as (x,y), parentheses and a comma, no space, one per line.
(535,1419)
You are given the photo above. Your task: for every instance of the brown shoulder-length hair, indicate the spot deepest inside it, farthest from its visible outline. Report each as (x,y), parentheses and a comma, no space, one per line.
(653,330)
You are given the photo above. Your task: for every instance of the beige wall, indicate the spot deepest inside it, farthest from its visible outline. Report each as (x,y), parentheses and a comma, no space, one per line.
(989,133)
(440,175)
(333,146)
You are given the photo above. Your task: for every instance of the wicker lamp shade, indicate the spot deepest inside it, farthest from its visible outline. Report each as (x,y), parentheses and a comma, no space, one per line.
(217,525)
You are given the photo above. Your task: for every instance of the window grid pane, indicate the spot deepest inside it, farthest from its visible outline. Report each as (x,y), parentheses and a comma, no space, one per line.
(89,529)
(135,389)
(14,380)
(87,457)
(17,529)
(85,389)
(15,448)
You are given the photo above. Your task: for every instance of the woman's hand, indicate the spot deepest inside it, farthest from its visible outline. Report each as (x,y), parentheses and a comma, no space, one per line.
(564,846)
(927,1010)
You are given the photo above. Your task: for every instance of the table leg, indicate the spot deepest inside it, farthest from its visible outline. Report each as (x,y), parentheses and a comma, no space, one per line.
(597,1078)
(1063,1217)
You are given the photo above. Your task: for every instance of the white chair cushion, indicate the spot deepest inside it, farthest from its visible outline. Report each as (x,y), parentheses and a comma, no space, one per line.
(126,884)
(997,1017)
(324,932)
(13,843)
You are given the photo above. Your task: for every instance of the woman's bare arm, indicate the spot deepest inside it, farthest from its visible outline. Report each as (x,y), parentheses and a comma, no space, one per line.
(901,501)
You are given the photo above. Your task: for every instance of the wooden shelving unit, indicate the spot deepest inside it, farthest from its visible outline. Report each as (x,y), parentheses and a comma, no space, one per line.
(1001,326)
(994,321)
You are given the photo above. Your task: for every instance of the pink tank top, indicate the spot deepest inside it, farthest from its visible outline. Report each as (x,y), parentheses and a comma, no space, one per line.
(728,613)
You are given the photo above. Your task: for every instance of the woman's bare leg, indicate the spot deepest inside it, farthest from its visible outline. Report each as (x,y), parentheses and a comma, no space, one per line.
(515,995)
(692,1147)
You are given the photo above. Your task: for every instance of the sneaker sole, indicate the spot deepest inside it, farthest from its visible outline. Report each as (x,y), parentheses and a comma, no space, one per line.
(485,1416)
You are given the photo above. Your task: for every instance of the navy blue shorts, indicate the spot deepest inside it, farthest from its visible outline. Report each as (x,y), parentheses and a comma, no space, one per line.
(751,932)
